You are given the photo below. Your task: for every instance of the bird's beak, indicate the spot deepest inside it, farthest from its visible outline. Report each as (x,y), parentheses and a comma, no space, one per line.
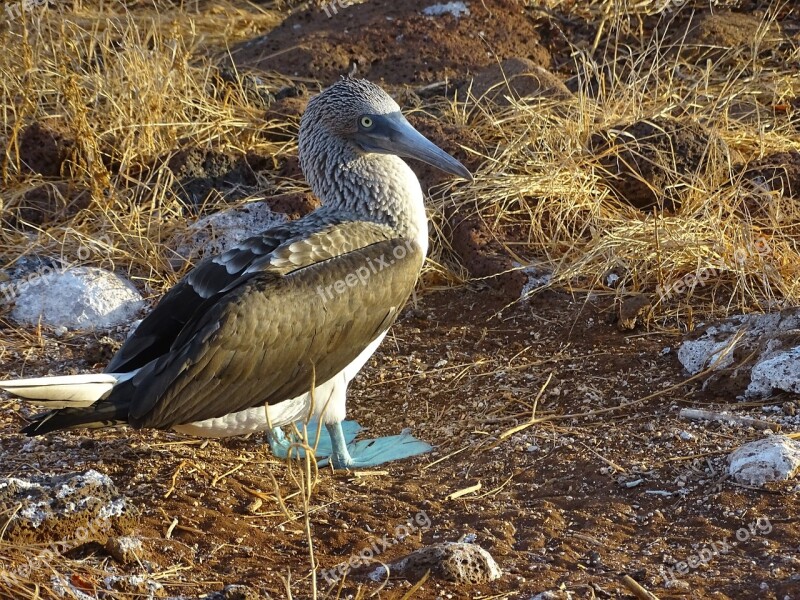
(393,134)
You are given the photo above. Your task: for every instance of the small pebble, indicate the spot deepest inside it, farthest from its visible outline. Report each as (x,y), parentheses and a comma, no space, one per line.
(125,550)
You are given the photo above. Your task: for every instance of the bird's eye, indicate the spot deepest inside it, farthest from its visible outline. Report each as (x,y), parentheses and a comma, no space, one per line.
(366,122)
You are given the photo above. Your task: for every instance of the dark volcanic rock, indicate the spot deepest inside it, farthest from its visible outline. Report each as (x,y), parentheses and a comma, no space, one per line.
(75,508)
(484,256)
(651,163)
(779,172)
(518,78)
(726,35)
(294,205)
(234,592)
(461,562)
(201,171)
(283,118)
(49,202)
(393,42)
(43,148)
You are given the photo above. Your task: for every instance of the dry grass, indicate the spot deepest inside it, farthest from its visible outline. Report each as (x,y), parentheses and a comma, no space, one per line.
(134,87)
(544,187)
(131,88)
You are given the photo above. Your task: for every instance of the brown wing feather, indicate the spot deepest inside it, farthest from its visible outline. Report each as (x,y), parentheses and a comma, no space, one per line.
(284,248)
(274,333)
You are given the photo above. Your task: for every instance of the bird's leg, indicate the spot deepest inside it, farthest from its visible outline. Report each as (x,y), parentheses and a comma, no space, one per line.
(325,445)
(370,453)
(337,443)
(280,443)
(340,457)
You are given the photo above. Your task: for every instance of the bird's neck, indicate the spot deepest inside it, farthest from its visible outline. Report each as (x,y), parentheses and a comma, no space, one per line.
(374,187)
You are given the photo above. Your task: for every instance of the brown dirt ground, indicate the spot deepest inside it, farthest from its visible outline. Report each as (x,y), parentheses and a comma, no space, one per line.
(554,508)
(393,42)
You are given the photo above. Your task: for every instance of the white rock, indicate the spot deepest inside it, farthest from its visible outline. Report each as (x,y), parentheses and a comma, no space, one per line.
(77,298)
(457,9)
(696,355)
(538,277)
(766,353)
(553,595)
(144,587)
(64,588)
(220,231)
(125,549)
(780,372)
(775,458)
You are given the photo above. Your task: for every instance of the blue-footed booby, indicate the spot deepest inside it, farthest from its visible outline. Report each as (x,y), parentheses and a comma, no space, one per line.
(273,330)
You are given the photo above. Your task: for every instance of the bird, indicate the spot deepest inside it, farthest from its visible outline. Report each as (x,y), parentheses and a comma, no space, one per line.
(272,331)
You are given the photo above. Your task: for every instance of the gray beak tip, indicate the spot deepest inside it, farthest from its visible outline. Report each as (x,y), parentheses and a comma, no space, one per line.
(459,170)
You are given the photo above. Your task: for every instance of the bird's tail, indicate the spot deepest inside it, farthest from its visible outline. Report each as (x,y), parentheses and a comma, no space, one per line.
(69,391)
(73,400)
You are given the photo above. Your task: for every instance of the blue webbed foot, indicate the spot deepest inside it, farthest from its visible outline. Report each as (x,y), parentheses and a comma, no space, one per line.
(337,445)
(371,453)
(278,442)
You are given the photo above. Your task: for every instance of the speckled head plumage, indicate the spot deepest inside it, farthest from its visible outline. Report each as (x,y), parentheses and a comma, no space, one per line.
(350,136)
(339,107)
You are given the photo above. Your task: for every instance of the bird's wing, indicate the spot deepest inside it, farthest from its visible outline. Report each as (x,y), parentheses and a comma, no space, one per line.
(275,334)
(158,330)
(204,284)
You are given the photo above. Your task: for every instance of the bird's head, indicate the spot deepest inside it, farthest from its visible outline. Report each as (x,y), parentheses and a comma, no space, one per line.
(362,115)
